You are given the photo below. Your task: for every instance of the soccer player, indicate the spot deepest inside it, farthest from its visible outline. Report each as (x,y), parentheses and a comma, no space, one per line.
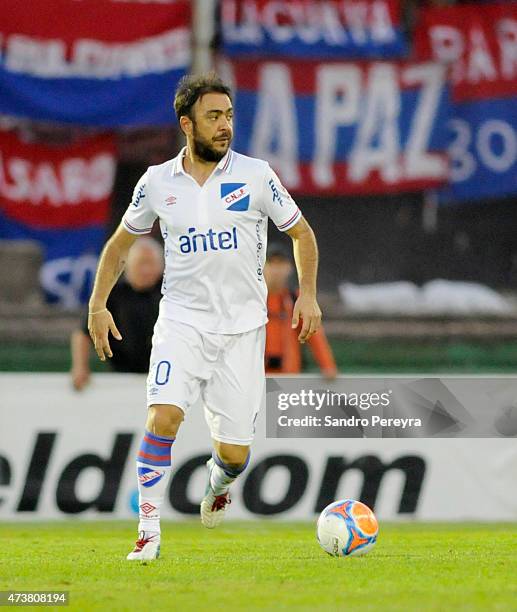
(213,205)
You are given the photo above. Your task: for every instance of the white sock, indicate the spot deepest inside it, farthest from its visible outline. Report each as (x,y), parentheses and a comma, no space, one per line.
(222,475)
(153,468)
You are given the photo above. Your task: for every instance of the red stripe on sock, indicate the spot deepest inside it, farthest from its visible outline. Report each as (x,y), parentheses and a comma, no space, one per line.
(156,443)
(158,458)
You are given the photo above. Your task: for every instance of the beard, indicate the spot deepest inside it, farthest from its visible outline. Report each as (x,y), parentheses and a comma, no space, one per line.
(203,149)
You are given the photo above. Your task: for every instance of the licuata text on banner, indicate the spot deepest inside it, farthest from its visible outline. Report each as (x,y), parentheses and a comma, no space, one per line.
(93,62)
(344,127)
(313,28)
(479,46)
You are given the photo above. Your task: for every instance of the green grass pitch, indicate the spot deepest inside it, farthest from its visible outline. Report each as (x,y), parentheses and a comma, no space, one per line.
(264,566)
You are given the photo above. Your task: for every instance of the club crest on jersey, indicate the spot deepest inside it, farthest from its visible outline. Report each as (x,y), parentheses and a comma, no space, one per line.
(236,196)
(148,477)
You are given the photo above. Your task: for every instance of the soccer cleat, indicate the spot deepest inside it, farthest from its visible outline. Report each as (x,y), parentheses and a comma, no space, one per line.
(147,548)
(213,506)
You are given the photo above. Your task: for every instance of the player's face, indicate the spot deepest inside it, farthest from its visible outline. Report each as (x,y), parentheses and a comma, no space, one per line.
(212,126)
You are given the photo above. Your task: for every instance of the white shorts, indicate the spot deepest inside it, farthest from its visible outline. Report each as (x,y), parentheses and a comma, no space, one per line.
(226,371)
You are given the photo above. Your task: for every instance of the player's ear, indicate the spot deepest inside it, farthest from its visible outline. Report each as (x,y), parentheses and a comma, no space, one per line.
(186,125)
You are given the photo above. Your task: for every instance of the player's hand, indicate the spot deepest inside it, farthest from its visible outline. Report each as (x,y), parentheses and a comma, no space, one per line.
(99,325)
(306,308)
(80,377)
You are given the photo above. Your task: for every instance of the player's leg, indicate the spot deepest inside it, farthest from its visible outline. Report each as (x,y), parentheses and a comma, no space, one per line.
(227,463)
(172,387)
(232,398)
(153,466)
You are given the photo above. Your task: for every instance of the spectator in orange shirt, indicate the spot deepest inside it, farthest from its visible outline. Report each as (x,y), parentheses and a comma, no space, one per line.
(283,351)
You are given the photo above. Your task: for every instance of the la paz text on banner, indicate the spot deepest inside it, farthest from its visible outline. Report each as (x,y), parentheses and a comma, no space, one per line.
(344,127)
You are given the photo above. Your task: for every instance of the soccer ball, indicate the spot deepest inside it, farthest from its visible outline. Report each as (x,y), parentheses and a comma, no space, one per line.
(347,528)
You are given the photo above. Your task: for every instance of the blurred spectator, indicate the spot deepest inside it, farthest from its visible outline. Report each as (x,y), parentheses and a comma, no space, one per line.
(134,304)
(283,351)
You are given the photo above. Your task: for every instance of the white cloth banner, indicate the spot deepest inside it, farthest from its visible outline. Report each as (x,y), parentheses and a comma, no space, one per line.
(64,453)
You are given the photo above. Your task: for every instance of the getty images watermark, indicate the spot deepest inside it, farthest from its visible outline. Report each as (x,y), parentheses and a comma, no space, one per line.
(399,407)
(308,398)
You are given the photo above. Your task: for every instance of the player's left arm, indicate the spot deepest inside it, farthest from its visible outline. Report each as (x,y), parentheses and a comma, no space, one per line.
(306,307)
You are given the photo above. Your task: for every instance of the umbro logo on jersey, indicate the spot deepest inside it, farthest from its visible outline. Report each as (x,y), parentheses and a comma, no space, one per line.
(236,196)
(170,200)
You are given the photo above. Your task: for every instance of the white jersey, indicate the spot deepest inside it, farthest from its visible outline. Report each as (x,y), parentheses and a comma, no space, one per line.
(215,238)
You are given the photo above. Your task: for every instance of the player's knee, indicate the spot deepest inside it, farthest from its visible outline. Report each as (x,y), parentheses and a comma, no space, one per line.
(164,419)
(233,455)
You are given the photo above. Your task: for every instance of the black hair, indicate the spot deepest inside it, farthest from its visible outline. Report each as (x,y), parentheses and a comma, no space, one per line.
(194,86)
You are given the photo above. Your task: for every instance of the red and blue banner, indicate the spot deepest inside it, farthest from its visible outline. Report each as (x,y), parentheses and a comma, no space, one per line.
(344,127)
(313,28)
(479,45)
(58,196)
(93,62)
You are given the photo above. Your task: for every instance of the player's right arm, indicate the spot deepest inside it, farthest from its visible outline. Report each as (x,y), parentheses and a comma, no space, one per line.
(137,221)
(111,264)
